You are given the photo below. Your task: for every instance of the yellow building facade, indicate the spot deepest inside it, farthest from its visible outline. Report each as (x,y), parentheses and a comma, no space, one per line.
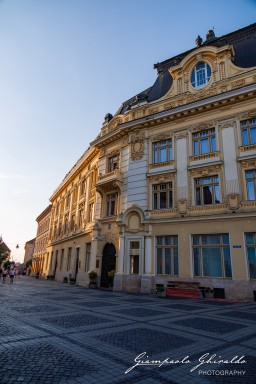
(40,255)
(167,190)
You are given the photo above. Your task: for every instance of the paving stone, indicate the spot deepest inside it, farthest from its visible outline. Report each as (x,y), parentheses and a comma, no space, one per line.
(140,312)
(140,339)
(210,325)
(79,320)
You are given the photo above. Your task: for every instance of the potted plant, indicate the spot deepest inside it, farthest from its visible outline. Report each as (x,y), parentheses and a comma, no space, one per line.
(92,277)
(111,275)
(65,279)
(160,291)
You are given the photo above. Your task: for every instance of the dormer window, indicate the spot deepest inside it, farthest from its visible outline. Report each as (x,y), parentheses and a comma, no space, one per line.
(200,75)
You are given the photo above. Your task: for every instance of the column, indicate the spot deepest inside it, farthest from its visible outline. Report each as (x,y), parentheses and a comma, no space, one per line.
(148,255)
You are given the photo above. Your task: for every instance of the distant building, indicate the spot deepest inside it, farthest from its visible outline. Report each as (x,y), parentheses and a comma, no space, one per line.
(29,250)
(166,193)
(40,255)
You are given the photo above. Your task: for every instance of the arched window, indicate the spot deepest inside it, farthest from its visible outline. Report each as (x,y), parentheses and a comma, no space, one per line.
(200,75)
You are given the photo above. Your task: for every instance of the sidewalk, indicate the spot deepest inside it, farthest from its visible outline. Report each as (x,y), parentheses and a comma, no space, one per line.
(53,333)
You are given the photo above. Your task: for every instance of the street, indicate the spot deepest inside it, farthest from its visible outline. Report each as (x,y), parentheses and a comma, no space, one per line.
(55,333)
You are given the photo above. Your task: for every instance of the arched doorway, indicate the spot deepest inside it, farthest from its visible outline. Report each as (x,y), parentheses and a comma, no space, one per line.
(108,264)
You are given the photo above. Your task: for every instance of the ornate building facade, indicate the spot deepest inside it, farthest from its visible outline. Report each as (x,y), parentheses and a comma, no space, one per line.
(40,255)
(167,190)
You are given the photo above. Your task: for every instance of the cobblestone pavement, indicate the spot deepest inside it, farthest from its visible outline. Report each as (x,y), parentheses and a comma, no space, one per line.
(54,333)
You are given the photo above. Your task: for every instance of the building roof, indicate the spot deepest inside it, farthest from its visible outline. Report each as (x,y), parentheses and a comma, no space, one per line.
(5,247)
(45,212)
(244,44)
(30,241)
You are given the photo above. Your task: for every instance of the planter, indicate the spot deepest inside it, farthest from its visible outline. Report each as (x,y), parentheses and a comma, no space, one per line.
(72,281)
(93,284)
(160,290)
(65,280)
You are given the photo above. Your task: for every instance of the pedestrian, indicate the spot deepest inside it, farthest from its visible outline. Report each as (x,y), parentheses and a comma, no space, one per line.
(11,274)
(4,274)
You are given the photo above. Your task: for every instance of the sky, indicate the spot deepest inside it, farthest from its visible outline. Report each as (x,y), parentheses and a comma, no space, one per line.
(65,64)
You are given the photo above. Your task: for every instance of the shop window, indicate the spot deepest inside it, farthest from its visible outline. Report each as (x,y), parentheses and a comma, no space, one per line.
(211,255)
(250,241)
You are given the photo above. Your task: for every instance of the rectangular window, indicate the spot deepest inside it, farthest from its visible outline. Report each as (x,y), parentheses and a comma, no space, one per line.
(248,129)
(91,212)
(73,218)
(87,257)
(207,190)
(250,241)
(204,142)
(211,255)
(111,204)
(56,259)
(61,259)
(162,151)
(83,188)
(51,261)
(162,196)
(113,163)
(250,177)
(167,255)
(66,224)
(81,218)
(69,258)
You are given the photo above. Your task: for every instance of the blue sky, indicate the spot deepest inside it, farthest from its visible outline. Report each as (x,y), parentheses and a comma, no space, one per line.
(64,64)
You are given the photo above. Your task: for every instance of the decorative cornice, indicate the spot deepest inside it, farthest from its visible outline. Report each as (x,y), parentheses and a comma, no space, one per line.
(163,178)
(227,124)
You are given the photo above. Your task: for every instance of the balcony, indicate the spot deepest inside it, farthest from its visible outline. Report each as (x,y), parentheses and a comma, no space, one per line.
(109,181)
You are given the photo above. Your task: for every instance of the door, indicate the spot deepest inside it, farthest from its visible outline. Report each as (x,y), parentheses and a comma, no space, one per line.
(77,262)
(108,264)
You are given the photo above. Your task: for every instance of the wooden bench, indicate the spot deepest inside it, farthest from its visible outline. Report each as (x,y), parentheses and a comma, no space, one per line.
(185,289)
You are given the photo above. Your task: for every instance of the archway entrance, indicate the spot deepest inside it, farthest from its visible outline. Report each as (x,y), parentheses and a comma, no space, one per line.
(108,264)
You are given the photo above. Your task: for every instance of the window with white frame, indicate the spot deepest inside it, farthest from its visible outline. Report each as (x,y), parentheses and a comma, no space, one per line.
(211,255)
(250,177)
(207,190)
(250,241)
(162,196)
(162,151)
(248,129)
(204,142)
(167,255)
(200,75)
(111,204)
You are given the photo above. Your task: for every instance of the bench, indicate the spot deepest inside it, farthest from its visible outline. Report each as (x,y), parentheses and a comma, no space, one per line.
(183,289)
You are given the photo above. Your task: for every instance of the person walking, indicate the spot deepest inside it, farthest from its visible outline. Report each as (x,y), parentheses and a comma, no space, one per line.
(11,274)
(4,274)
